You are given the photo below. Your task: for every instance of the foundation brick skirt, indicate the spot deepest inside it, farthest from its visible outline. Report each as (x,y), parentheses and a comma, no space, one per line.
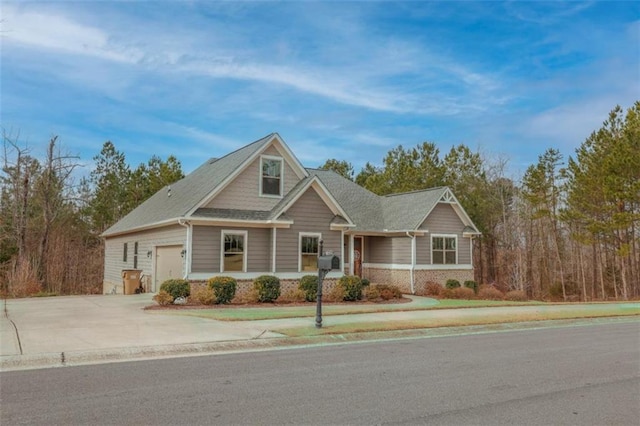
(244,286)
(402,277)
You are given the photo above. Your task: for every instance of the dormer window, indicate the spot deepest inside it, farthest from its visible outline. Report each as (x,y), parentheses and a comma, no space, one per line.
(271,177)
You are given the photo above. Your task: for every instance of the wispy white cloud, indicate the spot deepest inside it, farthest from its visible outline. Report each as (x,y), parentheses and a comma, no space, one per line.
(59,33)
(545,13)
(203,78)
(368,85)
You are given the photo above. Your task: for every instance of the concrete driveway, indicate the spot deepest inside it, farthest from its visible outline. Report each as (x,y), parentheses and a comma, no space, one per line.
(104,324)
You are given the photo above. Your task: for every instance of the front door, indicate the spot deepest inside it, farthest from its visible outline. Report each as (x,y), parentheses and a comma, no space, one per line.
(358,246)
(168,265)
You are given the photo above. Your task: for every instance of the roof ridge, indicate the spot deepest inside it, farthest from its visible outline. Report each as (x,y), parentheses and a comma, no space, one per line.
(244,146)
(416,191)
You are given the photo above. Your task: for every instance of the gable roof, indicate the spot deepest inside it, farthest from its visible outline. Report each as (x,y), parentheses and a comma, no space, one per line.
(354,206)
(399,216)
(176,200)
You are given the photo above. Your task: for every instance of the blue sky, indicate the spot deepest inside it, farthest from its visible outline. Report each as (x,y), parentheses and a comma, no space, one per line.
(348,80)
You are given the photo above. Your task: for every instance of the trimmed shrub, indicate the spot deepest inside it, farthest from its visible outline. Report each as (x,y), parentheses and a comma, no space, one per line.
(294,295)
(472,285)
(452,284)
(268,287)
(489,293)
(365,282)
(336,294)
(372,293)
(352,286)
(516,296)
(390,291)
(309,285)
(163,298)
(204,295)
(247,297)
(447,293)
(433,289)
(224,289)
(176,288)
(386,294)
(464,293)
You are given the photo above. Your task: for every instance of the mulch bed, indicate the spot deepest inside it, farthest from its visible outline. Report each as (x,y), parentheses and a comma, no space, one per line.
(191,305)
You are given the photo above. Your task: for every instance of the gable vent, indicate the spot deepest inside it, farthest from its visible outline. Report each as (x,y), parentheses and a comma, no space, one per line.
(447,197)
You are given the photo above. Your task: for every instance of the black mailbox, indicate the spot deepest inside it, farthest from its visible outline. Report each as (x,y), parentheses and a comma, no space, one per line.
(329,262)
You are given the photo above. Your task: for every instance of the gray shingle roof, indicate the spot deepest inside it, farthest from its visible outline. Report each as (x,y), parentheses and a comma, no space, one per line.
(362,206)
(406,211)
(231,214)
(187,192)
(368,211)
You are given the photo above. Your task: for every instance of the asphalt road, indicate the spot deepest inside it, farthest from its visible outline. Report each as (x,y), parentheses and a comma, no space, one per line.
(587,375)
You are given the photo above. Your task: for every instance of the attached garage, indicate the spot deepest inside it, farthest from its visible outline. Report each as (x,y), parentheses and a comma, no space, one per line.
(169,264)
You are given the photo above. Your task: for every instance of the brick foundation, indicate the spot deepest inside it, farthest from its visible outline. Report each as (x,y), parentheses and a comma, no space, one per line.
(440,277)
(402,277)
(244,286)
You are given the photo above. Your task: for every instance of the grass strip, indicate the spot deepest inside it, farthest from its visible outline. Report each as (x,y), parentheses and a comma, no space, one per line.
(283,312)
(347,328)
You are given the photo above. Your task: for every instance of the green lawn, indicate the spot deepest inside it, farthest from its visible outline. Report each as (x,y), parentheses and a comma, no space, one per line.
(496,318)
(283,311)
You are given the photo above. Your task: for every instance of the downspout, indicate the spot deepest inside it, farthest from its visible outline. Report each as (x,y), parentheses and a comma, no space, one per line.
(187,257)
(413,261)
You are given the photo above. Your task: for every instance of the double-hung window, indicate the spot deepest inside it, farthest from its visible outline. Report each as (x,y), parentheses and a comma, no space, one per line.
(271,176)
(309,251)
(234,251)
(444,249)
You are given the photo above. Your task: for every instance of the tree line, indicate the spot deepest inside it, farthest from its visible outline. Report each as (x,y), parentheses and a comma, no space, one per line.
(566,230)
(50,222)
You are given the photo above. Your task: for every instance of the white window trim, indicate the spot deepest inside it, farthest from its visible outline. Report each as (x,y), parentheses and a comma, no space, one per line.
(271,157)
(245,235)
(306,234)
(444,236)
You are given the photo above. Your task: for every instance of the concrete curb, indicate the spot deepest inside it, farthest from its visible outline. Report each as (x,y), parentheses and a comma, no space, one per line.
(77,358)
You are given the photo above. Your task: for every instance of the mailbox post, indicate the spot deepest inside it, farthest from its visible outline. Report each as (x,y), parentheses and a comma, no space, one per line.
(325,264)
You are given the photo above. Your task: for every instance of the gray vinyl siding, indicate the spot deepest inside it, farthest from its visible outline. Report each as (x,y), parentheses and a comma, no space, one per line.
(244,192)
(206,242)
(443,220)
(310,214)
(395,250)
(147,240)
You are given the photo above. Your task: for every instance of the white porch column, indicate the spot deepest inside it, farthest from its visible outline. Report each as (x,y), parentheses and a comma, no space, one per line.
(351,255)
(273,249)
(413,263)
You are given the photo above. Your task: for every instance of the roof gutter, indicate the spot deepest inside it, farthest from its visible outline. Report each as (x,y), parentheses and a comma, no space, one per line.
(413,261)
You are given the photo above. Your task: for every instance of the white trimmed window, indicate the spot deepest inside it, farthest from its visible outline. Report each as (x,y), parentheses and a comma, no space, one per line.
(271,182)
(308,252)
(233,253)
(444,249)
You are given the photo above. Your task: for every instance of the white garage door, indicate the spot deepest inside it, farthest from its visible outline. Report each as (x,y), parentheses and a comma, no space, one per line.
(168,265)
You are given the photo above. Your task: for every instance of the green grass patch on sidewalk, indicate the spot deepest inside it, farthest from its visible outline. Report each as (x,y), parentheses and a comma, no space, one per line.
(309,311)
(347,328)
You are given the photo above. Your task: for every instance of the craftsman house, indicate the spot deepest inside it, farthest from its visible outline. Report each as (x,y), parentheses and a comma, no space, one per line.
(258,211)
